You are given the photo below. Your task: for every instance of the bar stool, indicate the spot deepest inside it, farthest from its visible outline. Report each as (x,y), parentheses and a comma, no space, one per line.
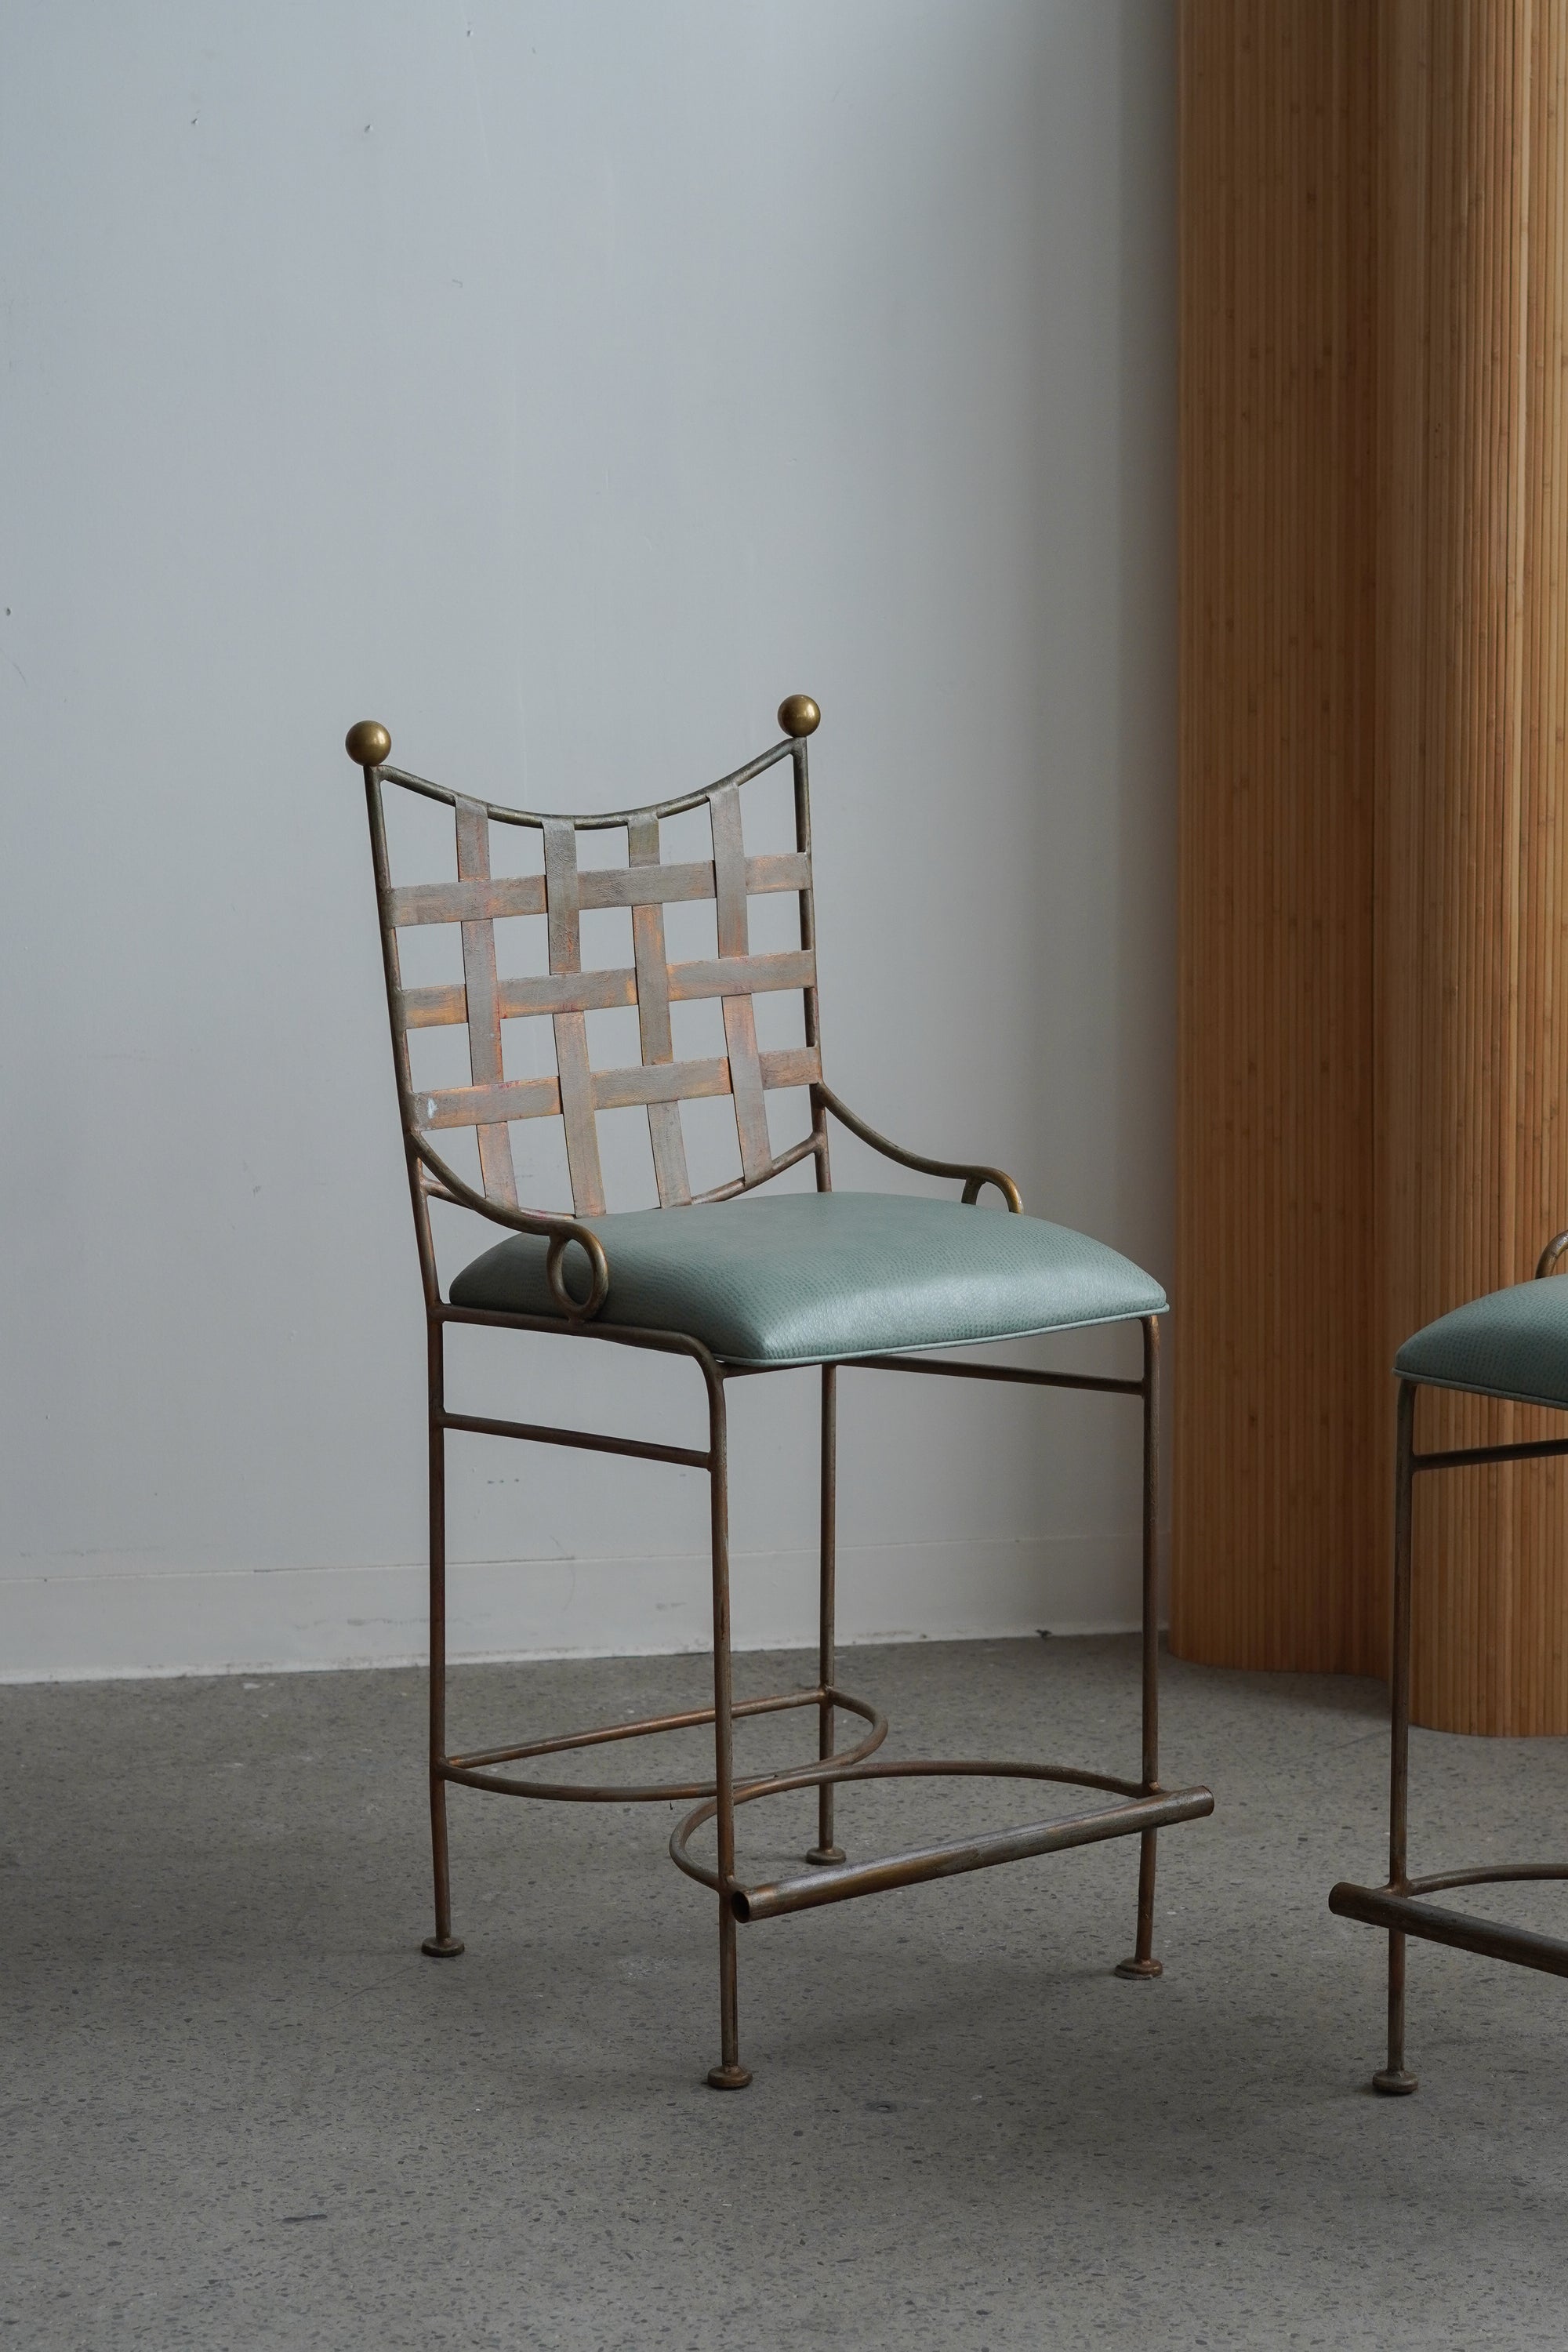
(1511,1344)
(737,1287)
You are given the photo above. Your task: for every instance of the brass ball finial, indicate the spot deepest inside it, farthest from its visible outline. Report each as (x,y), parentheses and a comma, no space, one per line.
(798,714)
(368,744)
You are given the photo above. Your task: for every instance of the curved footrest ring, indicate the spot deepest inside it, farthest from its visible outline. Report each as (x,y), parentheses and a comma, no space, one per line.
(842,1881)
(475,1772)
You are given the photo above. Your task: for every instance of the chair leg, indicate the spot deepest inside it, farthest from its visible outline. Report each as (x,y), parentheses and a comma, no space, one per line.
(1143,1964)
(825,1849)
(1393,2081)
(729,2074)
(443,1944)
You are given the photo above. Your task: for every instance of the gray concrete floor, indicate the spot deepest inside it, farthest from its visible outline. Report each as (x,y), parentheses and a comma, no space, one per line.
(242,2111)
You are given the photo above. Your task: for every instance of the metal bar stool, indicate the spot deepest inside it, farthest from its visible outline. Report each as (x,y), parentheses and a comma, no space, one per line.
(1511,1344)
(823,1278)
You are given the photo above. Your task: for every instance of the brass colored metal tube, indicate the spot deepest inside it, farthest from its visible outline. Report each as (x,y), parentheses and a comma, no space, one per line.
(1403,1915)
(949,1861)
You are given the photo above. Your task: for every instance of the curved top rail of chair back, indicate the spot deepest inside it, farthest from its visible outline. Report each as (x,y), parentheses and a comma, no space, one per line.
(568,992)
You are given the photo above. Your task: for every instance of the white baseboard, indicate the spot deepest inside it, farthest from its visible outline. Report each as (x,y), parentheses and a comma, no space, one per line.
(125,1621)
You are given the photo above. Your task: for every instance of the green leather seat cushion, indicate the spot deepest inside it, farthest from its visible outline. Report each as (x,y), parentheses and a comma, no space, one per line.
(798,1277)
(1511,1343)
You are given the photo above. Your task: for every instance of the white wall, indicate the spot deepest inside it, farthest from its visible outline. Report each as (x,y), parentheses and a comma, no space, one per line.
(561,382)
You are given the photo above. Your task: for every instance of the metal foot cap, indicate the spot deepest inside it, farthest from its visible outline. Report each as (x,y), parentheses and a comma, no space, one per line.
(441,1947)
(825,1855)
(1140,1971)
(727,2078)
(1395,2083)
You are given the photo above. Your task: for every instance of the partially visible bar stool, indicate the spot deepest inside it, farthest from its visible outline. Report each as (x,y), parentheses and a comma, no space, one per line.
(1511,1344)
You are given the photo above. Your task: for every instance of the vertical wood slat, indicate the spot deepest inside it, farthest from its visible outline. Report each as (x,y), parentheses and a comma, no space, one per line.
(1274,1516)
(1472,813)
(483,1002)
(740,1022)
(564,925)
(1375,827)
(1544,1619)
(665,1135)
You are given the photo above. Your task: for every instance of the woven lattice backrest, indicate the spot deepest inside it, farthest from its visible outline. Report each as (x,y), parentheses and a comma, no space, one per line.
(485,998)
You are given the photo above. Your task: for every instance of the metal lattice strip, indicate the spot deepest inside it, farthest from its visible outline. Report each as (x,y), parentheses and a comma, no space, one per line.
(483,1002)
(577,1106)
(664,1129)
(739,1022)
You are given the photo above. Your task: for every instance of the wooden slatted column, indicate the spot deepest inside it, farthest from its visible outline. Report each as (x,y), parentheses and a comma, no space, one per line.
(1374,861)
(1472,822)
(1273,1388)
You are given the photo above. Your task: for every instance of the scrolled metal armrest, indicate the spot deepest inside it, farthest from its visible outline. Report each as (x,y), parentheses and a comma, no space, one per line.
(975,1178)
(561,1233)
(1547,1263)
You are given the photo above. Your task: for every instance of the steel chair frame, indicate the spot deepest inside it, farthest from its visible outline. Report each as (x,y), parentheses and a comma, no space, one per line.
(1143,1806)
(1402,1905)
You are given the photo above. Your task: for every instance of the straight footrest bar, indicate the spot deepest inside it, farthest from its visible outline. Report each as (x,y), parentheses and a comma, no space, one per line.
(1408,1915)
(845,1880)
(839,1882)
